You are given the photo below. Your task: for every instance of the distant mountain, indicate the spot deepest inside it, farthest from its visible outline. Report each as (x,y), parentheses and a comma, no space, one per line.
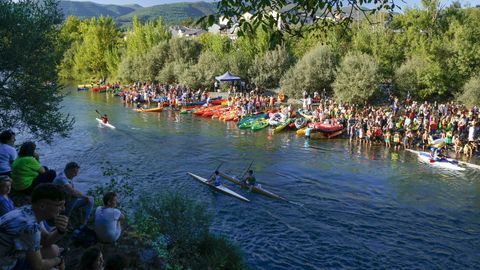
(171,13)
(90,9)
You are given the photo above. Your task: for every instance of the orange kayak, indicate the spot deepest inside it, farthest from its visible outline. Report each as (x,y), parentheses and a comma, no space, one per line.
(149,110)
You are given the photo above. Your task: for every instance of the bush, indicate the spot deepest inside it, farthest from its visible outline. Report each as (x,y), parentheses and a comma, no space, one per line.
(119,183)
(315,71)
(182,221)
(357,78)
(267,70)
(470,95)
(217,252)
(421,77)
(179,228)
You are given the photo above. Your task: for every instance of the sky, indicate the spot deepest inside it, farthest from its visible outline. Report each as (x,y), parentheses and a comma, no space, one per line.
(147,3)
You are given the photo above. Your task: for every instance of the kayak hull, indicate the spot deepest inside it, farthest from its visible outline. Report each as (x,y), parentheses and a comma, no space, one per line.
(446,163)
(105,125)
(256,189)
(220,188)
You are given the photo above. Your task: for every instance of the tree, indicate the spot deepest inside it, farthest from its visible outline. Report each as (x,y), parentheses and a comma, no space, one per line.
(184,49)
(293,17)
(421,77)
(29,96)
(357,78)
(267,70)
(315,71)
(100,42)
(470,95)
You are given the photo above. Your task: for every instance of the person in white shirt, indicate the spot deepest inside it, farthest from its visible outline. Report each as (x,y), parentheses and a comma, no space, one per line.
(108,219)
(7,152)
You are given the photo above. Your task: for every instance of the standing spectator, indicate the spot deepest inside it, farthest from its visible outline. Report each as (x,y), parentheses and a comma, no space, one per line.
(6,205)
(108,219)
(8,154)
(24,241)
(27,172)
(75,198)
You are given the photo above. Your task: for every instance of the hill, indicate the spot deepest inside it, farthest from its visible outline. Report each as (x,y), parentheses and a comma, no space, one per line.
(171,13)
(90,9)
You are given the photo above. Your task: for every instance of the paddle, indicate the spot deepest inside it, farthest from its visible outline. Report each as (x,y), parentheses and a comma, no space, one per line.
(246,171)
(98,112)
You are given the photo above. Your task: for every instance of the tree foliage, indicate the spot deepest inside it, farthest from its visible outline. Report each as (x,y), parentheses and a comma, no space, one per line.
(470,95)
(29,96)
(357,78)
(267,70)
(314,72)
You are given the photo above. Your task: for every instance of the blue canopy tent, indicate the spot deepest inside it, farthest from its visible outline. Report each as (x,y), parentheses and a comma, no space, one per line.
(227,77)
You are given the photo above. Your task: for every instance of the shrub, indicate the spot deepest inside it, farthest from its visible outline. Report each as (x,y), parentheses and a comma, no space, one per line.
(315,71)
(470,95)
(267,70)
(357,78)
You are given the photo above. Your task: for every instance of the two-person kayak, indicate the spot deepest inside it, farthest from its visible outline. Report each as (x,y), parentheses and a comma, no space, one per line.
(257,188)
(220,188)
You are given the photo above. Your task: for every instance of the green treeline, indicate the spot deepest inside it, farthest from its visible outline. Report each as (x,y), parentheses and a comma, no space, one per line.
(430,53)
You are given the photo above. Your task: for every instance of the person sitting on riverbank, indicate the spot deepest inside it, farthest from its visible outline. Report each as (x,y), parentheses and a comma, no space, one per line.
(25,243)
(108,219)
(27,172)
(215,179)
(6,205)
(75,198)
(8,154)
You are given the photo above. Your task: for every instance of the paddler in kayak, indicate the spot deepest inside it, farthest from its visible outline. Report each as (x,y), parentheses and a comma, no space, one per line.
(215,179)
(250,179)
(105,119)
(436,154)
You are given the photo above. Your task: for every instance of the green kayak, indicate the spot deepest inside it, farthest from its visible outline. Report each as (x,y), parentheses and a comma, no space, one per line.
(282,126)
(260,124)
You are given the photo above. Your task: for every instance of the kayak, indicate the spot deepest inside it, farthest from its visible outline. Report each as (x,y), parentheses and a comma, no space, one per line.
(107,124)
(463,163)
(445,163)
(257,189)
(260,124)
(149,110)
(326,127)
(282,126)
(300,122)
(220,188)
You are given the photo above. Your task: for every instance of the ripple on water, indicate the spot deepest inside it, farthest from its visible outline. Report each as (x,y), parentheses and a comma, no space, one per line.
(355,207)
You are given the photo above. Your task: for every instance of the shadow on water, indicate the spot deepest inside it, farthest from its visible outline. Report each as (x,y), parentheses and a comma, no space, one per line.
(352,206)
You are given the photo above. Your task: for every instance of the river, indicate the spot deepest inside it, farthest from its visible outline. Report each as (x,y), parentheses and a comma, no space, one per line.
(351,206)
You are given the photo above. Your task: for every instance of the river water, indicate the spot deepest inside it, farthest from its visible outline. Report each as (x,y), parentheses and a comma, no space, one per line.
(351,206)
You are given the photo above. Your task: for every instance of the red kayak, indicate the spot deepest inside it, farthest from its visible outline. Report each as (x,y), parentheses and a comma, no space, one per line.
(325,127)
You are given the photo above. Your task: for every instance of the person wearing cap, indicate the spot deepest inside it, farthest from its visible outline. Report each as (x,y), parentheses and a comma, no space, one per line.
(24,241)
(75,198)
(8,154)
(6,204)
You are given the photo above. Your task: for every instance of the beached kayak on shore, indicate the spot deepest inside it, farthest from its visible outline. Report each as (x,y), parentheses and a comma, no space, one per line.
(220,188)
